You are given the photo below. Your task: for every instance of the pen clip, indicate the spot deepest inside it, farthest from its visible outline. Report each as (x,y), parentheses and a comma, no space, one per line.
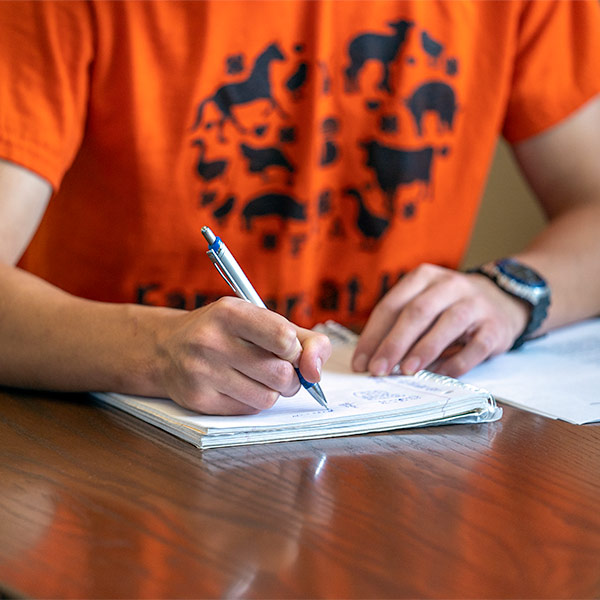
(226,275)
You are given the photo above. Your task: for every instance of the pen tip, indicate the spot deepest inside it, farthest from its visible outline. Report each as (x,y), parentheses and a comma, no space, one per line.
(317,393)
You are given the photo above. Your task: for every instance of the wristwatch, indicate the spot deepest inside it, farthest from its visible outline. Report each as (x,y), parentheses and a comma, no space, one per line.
(523,283)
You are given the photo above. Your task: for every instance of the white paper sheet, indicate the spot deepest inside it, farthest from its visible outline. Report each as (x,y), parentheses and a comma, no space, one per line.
(557,375)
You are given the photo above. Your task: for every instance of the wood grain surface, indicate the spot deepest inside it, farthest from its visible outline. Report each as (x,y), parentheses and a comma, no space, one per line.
(97,504)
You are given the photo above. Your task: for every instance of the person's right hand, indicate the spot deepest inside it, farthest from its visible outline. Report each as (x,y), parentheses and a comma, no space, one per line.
(231,357)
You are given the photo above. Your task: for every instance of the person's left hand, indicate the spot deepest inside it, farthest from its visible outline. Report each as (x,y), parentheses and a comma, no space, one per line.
(439,319)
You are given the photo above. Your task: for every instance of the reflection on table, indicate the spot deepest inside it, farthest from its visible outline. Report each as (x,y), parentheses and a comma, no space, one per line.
(98,504)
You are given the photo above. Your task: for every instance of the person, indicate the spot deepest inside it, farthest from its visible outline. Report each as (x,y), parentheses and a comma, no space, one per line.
(339,149)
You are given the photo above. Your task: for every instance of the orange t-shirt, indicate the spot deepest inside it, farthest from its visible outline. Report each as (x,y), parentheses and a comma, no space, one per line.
(332,145)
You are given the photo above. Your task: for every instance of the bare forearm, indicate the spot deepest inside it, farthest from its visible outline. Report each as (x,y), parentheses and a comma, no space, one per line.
(229,357)
(561,165)
(52,340)
(567,253)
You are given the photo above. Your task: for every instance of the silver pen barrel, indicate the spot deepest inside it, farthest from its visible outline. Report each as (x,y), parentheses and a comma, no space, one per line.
(230,269)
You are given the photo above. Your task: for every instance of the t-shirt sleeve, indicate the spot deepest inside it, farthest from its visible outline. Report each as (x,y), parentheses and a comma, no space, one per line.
(556,65)
(46,51)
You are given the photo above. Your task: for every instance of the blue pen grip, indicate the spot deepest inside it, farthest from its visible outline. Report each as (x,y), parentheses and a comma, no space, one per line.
(305,384)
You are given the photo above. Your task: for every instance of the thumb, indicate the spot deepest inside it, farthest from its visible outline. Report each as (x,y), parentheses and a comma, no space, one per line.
(316,350)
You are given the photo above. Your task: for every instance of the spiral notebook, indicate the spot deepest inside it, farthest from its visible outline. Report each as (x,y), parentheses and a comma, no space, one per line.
(358,403)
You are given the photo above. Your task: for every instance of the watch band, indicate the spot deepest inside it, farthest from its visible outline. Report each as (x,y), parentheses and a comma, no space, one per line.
(523,283)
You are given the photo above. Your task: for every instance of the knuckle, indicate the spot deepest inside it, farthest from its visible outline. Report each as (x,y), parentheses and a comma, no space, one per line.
(292,390)
(461,283)
(424,269)
(417,310)
(459,313)
(428,270)
(225,304)
(283,375)
(318,345)
(386,306)
(192,367)
(205,401)
(206,347)
(229,301)
(266,399)
(224,309)
(284,336)
(484,343)
(322,342)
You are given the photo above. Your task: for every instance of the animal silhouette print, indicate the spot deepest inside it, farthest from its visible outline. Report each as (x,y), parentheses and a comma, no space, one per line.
(375,155)
(388,123)
(329,148)
(273,204)
(431,47)
(256,87)
(369,224)
(207,197)
(329,153)
(297,81)
(375,46)
(434,96)
(222,211)
(208,170)
(287,134)
(260,159)
(451,66)
(397,166)
(235,64)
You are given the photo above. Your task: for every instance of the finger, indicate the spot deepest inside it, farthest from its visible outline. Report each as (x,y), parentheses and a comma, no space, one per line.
(248,390)
(279,374)
(480,347)
(447,353)
(216,404)
(384,315)
(263,367)
(261,327)
(237,369)
(452,323)
(316,350)
(415,320)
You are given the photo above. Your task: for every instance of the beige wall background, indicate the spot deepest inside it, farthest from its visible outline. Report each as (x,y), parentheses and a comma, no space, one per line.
(509,216)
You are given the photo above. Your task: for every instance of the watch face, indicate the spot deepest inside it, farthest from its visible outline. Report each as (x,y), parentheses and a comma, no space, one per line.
(520,272)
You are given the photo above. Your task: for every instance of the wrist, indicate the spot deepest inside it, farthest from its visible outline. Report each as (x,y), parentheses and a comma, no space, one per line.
(148,329)
(526,285)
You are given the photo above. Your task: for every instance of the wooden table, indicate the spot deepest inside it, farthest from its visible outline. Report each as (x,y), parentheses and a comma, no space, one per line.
(96,504)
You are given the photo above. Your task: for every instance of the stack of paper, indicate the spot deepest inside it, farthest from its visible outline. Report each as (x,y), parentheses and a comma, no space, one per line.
(358,403)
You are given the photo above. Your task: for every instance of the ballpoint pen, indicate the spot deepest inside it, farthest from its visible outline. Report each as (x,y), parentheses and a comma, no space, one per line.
(232,273)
